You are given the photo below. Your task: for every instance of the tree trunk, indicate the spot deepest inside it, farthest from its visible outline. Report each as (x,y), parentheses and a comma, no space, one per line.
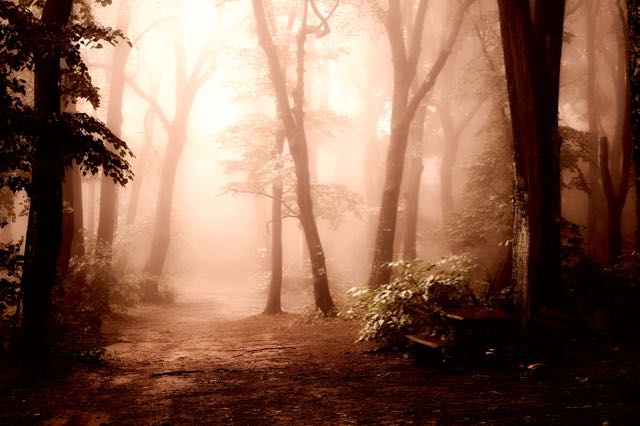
(416,166)
(532,52)
(294,129)
(162,224)
(108,188)
(633,72)
(77,244)
(68,228)
(72,228)
(595,207)
(91,209)
(451,143)
(403,111)
(44,231)
(274,305)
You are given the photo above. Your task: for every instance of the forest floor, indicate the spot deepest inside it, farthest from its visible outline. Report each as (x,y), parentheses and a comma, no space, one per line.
(204,360)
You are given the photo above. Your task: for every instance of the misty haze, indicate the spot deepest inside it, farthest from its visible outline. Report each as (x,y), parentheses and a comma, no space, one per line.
(319,212)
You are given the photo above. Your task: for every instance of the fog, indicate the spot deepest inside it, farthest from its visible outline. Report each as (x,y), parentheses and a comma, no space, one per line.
(197,93)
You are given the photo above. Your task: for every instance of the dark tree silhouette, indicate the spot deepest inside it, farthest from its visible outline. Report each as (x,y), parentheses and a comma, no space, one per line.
(532,44)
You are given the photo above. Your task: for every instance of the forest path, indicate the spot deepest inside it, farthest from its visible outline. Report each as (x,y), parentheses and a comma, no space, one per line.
(203,360)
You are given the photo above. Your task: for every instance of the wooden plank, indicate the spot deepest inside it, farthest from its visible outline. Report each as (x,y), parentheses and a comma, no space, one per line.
(477,314)
(432,342)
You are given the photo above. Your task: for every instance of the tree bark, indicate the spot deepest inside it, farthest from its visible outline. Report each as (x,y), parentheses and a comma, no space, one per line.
(403,110)
(293,122)
(532,51)
(633,72)
(414,178)
(44,230)
(274,304)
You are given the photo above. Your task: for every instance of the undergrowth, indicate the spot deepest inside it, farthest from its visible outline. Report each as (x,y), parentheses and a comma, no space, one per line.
(416,300)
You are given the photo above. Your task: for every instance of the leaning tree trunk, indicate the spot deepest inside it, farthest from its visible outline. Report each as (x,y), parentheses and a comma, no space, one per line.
(294,129)
(44,232)
(532,52)
(403,110)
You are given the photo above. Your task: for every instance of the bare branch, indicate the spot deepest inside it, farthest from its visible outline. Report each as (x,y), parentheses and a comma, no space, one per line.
(264,194)
(153,104)
(322,29)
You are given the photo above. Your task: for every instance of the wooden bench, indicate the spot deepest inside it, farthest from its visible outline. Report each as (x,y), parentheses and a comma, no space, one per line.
(426,349)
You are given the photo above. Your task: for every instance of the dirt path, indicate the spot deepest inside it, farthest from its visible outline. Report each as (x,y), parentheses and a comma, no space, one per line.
(199,362)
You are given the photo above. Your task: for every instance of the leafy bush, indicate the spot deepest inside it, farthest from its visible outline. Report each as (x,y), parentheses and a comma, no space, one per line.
(416,301)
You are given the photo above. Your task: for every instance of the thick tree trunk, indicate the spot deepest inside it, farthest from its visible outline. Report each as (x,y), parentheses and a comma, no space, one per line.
(633,70)
(294,129)
(44,232)
(274,305)
(532,51)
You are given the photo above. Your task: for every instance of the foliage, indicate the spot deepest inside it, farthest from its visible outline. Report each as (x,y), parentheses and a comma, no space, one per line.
(415,302)
(261,167)
(24,40)
(10,271)
(485,212)
(574,153)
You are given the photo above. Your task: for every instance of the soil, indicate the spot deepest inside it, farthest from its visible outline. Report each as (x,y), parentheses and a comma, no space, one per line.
(204,360)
